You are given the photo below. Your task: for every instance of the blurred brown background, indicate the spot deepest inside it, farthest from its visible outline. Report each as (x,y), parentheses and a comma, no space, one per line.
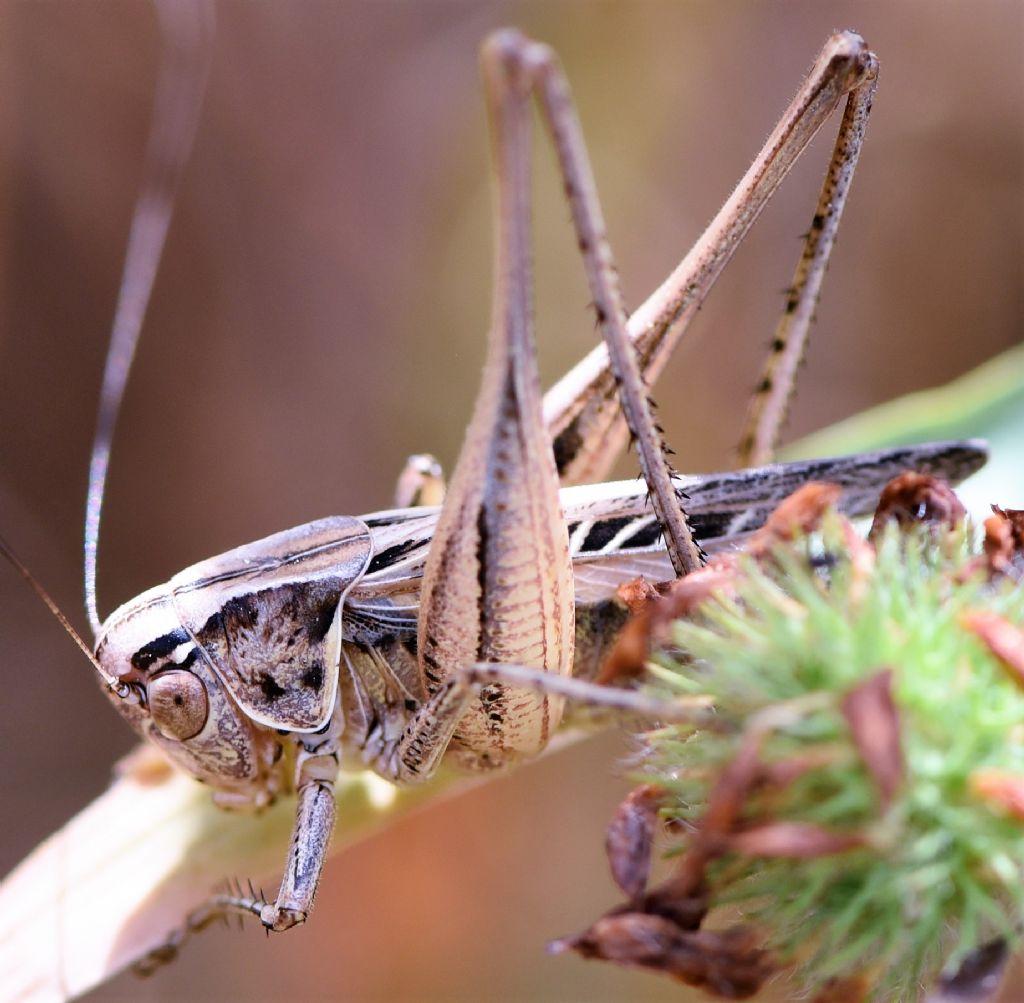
(320,315)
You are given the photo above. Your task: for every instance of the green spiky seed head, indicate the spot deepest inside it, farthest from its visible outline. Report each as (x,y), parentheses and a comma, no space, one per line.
(883,833)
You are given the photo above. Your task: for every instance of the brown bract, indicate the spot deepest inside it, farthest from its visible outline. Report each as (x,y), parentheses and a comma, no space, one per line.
(655,608)
(853,989)
(1003,639)
(796,840)
(633,645)
(1002,789)
(630,836)
(912,498)
(727,963)
(1004,542)
(874,722)
(782,772)
(979,977)
(797,515)
(1014,518)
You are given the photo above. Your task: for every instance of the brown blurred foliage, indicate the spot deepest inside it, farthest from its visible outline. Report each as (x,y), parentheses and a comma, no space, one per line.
(320,315)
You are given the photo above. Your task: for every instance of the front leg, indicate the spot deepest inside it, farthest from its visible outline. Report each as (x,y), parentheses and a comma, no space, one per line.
(316,771)
(417,754)
(307,851)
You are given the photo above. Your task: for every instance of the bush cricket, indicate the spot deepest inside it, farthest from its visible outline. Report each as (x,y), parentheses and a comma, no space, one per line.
(368,667)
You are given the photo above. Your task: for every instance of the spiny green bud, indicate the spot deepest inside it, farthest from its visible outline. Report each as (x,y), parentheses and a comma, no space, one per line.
(858,798)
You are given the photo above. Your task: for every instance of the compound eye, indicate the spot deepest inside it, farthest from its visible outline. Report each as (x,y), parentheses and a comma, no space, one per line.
(178,704)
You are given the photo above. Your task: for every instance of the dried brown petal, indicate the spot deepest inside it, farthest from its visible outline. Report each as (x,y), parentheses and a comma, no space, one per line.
(1014,517)
(796,515)
(630,836)
(686,913)
(629,654)
(729,793)
(1004,542)
(725,803)
(874,721)
(637,594)
(726,963)
(852,989)
(654,609)
(912,498)
(998,542)
(632,647)
(1004,639)
(794,840)
(979,977)
(721,575)
(1004,790)
(785,771)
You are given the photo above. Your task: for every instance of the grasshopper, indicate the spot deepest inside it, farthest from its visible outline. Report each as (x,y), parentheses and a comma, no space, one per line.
(457,632)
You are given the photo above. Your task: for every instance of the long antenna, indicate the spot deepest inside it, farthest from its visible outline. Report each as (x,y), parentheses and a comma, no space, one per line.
(111,682)
(186,27)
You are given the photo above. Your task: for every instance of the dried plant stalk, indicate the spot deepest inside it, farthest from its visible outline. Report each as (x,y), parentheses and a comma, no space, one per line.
(106,888)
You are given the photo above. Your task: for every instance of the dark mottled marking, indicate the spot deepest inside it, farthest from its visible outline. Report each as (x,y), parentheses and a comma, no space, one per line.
(189,660)
(764,386)
(321,623)
(492,696)
(391,555)
(269,686)
(567,445)
(241,612)
(313,677)
(482,534)
(818,223)
(160,648)
(388,518)
(431,669)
